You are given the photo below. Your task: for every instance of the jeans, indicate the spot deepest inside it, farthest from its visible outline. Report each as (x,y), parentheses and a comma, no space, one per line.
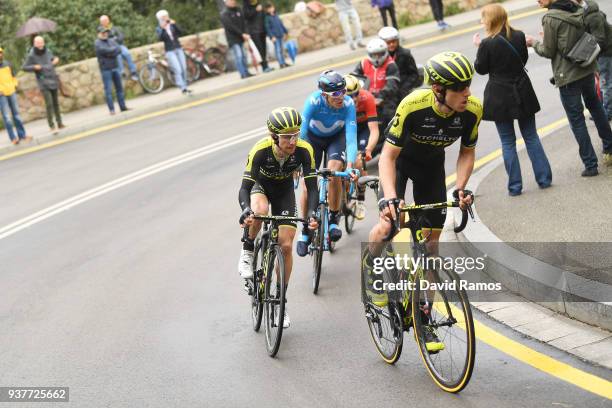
(110,77)
(52,106)
(437,9)
(178,64)
(125,53)
(278,49)
(9,103)
(391,11)
(539,162)
(345,18)
(605,77)
(572,95)
(240,58)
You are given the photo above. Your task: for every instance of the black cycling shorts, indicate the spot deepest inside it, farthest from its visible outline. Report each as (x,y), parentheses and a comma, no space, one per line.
(281,197)
(334,146)
(428,186)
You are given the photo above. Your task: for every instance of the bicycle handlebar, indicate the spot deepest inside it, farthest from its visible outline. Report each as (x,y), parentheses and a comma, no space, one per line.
(343,174)
(367,180)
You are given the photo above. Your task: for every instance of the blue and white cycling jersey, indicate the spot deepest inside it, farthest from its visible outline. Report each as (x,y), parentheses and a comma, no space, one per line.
(324,121)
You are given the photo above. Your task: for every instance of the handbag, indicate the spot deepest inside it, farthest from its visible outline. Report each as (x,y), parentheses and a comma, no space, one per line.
(586,49)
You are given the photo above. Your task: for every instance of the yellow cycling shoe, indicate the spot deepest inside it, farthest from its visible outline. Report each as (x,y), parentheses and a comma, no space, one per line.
(432,342)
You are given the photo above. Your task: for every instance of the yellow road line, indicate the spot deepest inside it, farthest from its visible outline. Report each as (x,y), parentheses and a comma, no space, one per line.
(228,94)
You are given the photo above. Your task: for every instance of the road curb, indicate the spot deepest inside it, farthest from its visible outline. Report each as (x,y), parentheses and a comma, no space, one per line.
(534,280)
(344,58)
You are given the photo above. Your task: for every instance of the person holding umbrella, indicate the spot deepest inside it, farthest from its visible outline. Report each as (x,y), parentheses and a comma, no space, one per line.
(42,62)
(8,102)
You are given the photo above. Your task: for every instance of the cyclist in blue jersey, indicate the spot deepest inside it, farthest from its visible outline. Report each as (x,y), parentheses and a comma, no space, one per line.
(329,124)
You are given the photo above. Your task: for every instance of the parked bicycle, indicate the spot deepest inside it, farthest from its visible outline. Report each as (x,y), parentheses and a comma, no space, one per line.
(321,240)
(154,74)
(443,310)
(209,61)
(267,287)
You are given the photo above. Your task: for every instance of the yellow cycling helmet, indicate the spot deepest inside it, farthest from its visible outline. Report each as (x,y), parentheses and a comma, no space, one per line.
(352,85)
(284,120)
(449,69)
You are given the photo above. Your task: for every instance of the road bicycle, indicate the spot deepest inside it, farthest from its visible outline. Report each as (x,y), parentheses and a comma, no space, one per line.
(443,309)
(349,198)
(268,285)
(208,61)
(321,240)
(154,74)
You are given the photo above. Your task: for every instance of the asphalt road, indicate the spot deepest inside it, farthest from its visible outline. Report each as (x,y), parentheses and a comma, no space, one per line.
(133,298)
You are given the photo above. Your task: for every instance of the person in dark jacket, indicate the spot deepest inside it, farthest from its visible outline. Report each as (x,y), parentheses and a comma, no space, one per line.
(384,7)
(409,73)
(509,95)
(117,35)
(168,32)
(42,62)
(254,16)
(276,31)
(106,52)
(597,24)
(236,34)
(561,25)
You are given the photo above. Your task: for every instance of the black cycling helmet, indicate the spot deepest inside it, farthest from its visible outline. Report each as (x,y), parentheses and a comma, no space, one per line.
(449,69)
(284,120)
(331,81)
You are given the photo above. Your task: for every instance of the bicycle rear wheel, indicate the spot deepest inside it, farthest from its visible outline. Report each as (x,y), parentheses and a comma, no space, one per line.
(348,207)
(317,250)
(257,293)
(446,312)
(214,58)
(151,79)
(274,299)
(193,69)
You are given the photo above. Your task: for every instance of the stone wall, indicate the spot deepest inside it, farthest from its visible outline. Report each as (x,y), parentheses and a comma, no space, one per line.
(82,84)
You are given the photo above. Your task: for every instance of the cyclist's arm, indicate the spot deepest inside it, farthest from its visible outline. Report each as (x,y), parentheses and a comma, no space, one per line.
(386,169)
(465,166)
(306,116)
(374,135)
(310,179)
(467,153)
(248,178)
(350,125)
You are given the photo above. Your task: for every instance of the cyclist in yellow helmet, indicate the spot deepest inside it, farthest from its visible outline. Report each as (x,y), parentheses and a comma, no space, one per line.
(268,181)
(425,123)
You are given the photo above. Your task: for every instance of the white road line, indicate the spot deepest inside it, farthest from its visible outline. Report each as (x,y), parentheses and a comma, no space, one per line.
(71,202)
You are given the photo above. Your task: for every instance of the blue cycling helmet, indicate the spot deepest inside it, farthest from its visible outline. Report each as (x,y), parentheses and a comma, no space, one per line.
(331,81)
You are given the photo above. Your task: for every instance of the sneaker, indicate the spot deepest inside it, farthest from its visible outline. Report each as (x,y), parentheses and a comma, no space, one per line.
(15,141)
(245,264)
(268,69)
(378,296)
(607,159)
(432,341)
(360,210)
(286,319)
(187,91)
(302,244)
(360,44)
(590,172)
(335,233)
(61,126)
(134,76)
(352,45)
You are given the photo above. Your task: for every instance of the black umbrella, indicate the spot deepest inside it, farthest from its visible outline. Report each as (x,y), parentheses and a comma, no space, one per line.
(36,25)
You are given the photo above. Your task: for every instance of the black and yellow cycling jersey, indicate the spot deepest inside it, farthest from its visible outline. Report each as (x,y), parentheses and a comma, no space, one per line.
(268,174)
(423,131)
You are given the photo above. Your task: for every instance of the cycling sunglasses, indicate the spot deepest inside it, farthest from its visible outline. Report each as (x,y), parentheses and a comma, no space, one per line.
(459,87)
(336,94)
(290,137)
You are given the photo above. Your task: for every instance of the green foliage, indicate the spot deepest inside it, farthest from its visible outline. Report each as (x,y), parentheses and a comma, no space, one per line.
(452,9)
(77,21)
(11,17)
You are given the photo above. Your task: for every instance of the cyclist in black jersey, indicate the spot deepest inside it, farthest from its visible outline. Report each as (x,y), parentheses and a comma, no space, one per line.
(268,180)
(425,123)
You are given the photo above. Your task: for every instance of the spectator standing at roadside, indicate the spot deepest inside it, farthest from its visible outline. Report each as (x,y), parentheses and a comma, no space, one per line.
(597,24)
(117,35)
(409,73)
(561,25)
(347,15)
(254,16)
(236,34)
(384,7)
(42,62)
(106,52)
(509,95)
(168,32)
(8,102)
(276,30)
(437,10)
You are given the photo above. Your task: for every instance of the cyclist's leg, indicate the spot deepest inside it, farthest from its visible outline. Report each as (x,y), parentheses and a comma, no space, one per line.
(304,240)
(336,155)
(283,204)
(259,204)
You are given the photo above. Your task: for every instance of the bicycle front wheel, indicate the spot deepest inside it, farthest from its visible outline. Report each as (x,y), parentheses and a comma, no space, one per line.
(257,293)
(444,329)
(214,59)
(193,69)
(151,79)
(274,299)
(317,251)
(349,206)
